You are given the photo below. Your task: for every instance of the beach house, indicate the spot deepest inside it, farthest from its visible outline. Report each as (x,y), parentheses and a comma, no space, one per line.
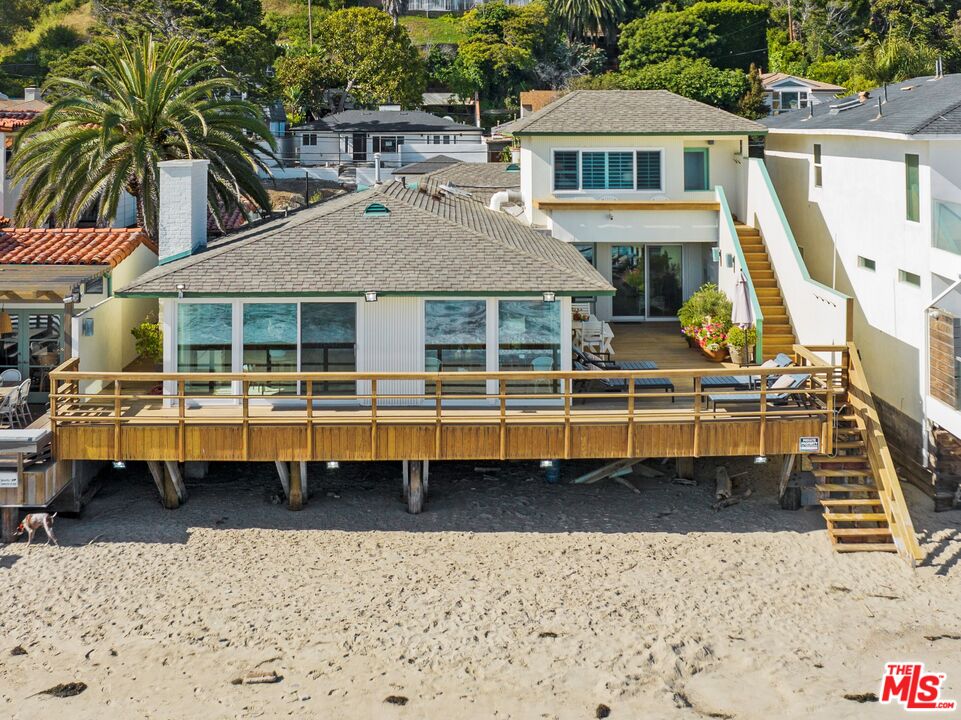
(785,92)
(872,186)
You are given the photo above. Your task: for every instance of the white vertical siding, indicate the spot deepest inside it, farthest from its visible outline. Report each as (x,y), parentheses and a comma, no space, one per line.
(390,338)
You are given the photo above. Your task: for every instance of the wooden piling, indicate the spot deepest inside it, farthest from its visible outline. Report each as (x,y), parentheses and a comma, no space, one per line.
(295,499)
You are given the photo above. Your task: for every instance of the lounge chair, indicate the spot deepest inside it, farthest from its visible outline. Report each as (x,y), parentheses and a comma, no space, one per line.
(745,382)
(619,384)
(783,395)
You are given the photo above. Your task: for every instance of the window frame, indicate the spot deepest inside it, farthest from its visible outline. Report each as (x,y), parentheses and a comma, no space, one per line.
(914,194)
(906,277)
(866,263)
(706,152)
(817,154)
(606,150)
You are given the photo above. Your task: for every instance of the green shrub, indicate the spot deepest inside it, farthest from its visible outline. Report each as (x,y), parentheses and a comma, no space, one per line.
(737,337)
(707,302)
(149,340)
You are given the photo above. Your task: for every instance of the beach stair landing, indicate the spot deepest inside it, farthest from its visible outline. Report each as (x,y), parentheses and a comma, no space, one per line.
(778,333)
(853,510)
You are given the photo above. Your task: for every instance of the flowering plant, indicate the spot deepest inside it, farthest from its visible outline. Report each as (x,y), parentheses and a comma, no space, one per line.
(711,335)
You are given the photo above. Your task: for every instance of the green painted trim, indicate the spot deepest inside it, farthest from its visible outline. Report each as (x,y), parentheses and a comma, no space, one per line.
(178,256)
(790,233)
(526,133)
(728,220)
(706,152)
(360,295)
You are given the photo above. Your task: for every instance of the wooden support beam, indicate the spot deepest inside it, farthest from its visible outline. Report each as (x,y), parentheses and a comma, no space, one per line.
(157,473)
(685,468)
(787,468)
(415,487)
(303,480)
(175,479)
(283,470)
(9,519)
(162,478)
(295,499)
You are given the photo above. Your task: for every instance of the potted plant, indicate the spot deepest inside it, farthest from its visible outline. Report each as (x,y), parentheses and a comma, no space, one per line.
(706,302)
(741,343)
(148,341)
(712,339)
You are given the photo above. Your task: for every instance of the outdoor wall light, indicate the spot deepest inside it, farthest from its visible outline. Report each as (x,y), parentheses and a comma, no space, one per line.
(370,296)
(760,460)
(333,465)
(546,464)
(119,465)
(550,296)
(180,290)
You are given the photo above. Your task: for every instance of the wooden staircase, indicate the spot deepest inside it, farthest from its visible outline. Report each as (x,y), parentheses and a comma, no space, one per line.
(778,335)
(853,509)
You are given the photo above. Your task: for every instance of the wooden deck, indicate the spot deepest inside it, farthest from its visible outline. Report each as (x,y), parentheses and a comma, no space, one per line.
(522,415)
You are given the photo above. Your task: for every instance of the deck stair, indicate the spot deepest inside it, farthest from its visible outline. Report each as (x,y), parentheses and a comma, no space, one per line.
(778,334)
(853,510)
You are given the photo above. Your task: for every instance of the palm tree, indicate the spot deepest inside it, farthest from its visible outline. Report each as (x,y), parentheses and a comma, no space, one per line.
(586,19)
(146,102)
(894,59)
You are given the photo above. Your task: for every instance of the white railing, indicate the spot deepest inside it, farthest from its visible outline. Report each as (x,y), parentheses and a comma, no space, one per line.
(732,263)
(819,314)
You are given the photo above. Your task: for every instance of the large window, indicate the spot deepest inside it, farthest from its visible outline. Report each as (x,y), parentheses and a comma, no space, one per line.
(270,344)
(607,170)
(912,188)
(565,170)
(328,343)
(204,343)
(529,340)
(947,231)
(455,340)
(696,171)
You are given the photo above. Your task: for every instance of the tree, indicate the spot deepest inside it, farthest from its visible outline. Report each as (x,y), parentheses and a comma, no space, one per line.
(370,58)
(740,29)
(753,103)
(230,31)
(893,59)
(661,36)
(304,79)
(693,78)
(394,8)
(567,60)
(146,103)
(586,19)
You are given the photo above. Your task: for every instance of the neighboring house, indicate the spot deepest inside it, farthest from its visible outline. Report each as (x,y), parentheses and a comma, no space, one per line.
(416,170)
(873,188)
(533,100)
(388,279)
(789,92)
(14,114)
(429,6)
(57,292)
(399,136)
(480,181)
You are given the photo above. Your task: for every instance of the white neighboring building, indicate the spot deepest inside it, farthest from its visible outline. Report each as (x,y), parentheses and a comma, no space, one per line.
(789,92)
(873,190)
(399,136)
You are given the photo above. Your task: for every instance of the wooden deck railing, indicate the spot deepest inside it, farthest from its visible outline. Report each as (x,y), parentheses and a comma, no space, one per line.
(568,402)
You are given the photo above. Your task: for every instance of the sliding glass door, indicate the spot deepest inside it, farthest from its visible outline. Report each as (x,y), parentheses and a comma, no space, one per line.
(647,280)
(34,346)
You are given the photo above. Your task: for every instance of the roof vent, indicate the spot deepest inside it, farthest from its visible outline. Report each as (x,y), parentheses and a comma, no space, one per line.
(908,87)
(513,167)
(376,210)
(847,105)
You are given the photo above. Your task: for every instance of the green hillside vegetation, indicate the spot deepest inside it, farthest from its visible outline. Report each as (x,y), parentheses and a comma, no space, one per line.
(424,31)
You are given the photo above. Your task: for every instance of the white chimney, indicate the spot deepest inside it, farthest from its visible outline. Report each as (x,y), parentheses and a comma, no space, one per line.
(31,93)
(183,208)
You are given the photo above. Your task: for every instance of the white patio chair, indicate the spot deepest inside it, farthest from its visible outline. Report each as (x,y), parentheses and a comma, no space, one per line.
(23,403)
(8,408)
(10,376)
(592,336)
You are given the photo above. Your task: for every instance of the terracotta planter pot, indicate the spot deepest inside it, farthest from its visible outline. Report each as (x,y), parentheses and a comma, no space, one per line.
(715,355)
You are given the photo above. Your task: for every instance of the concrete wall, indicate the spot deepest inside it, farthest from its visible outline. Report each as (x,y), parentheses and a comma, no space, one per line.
(860,211)
(537,167)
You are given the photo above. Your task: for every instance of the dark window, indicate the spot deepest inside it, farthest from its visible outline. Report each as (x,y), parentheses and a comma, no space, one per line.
(696,173)
(818,176)
(649,170)
(912,188)
(565,170)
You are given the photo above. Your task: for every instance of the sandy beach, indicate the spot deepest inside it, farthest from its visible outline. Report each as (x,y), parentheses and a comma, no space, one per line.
(507,598)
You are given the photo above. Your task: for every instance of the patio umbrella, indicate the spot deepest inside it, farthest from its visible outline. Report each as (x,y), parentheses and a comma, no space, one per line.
(742,314)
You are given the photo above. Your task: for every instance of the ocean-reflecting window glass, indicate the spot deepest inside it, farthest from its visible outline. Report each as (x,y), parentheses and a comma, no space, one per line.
(947,233)
(529,339)
(270,344)
(328,343)
(204,343)
(455,340)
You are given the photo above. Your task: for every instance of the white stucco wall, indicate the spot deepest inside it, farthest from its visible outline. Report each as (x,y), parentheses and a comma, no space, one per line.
(860,212)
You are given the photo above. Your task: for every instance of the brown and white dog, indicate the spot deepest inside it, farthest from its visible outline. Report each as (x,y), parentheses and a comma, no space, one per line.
(33,522)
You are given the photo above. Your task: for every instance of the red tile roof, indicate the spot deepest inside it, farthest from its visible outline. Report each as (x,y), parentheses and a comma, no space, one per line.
(13,120)
(88,246)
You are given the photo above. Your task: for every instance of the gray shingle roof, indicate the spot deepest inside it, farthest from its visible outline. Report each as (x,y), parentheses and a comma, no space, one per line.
(629,112)
(423,167)
(387,121)
(428,243)
(481,180)
(914,107)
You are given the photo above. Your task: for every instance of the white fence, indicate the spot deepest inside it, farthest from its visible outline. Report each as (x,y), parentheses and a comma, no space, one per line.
(819,314)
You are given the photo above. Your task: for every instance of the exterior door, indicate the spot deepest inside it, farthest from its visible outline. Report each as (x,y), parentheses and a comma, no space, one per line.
(664,289)
(34,347)
(360,147)
(628,279)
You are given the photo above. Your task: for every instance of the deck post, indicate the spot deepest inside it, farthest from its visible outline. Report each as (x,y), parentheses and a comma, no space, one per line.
(283,472)
(295,499)
(8,523)
(415,486)
(161,475)
(685,468)
(175,480)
